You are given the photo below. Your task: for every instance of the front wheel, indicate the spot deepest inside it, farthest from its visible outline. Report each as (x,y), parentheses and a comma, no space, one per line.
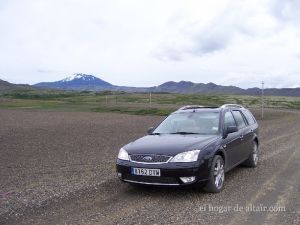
(217,175)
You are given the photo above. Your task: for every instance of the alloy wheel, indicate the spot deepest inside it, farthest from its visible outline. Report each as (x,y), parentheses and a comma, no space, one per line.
(255,154)
(219,173)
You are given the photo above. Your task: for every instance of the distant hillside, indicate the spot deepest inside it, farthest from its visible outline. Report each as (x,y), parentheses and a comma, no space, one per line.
(187,87)
(4,86)
(190,87)
(89,82)
(283,92)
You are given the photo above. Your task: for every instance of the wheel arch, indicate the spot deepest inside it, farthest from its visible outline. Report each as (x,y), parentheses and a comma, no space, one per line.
(221,152)
(255,139)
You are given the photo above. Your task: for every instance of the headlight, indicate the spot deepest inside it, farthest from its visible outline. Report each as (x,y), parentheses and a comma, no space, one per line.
(123,154)
(189,156)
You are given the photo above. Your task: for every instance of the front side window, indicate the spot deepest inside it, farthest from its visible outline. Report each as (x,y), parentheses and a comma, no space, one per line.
(193,122)
(229,120)
(239,119)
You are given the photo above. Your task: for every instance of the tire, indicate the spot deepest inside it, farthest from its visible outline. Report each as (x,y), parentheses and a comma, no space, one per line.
(252,161)
(216,176)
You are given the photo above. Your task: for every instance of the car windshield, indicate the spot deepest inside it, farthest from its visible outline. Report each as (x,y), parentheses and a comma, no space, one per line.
(190,123)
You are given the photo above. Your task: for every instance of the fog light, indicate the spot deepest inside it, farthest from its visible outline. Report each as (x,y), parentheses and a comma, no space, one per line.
(119,175)
(187,179)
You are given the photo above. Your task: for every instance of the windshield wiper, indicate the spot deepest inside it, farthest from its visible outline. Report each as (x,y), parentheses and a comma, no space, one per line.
(155,134)
(183,132)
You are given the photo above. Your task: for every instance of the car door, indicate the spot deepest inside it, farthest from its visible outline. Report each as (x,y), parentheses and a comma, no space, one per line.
(251,130)
(245,136)
(231,142)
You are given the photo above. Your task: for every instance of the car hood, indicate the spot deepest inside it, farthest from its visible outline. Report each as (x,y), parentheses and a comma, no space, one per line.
(168,144)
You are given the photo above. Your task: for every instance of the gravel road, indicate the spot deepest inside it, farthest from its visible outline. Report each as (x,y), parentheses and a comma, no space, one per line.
(59,168)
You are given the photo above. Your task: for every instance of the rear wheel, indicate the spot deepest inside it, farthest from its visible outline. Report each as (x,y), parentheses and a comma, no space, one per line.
(252,161)
(217,175)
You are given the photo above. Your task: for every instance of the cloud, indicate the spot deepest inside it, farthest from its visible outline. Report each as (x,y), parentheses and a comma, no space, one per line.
(41,70)
(211,39)
(192,39)
(235,20)
(287,10)
(145,43)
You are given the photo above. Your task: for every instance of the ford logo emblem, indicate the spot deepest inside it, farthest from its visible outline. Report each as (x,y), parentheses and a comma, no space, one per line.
(147,158)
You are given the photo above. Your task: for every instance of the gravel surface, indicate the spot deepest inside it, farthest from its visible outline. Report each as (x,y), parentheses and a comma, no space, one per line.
(59,168)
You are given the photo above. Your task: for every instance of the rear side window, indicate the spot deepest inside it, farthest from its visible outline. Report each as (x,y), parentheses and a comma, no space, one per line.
(229,120)
(249,117)
(239,119)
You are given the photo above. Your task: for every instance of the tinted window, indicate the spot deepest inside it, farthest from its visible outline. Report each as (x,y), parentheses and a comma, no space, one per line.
(229,120)
(249,117)
(239,118)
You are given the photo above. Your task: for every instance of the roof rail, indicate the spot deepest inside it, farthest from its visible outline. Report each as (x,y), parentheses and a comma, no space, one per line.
(232,106)
(195,107)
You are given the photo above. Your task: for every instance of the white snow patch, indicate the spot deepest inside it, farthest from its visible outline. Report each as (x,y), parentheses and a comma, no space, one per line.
(74,77)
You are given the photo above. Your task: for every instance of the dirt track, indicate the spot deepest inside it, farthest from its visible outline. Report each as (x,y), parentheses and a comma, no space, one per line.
(58,168)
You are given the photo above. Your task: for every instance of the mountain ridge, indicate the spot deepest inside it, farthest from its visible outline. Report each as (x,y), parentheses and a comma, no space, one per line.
(4,85)
(84,82)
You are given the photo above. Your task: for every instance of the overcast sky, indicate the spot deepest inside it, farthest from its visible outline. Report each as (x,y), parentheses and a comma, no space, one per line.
(148,42)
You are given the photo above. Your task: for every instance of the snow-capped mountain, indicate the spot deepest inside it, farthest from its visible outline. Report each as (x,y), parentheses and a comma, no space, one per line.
(78,81)
(80,76)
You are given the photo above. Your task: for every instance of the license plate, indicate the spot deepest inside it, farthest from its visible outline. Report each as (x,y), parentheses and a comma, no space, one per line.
(145,172)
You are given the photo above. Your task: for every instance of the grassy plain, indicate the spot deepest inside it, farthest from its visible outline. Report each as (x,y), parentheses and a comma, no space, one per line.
(130,103)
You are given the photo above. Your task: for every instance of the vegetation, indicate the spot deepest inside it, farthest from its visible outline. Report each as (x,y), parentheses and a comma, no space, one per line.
(131,103)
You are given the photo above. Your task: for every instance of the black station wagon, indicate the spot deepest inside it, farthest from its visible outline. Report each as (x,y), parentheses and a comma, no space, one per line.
(194,145)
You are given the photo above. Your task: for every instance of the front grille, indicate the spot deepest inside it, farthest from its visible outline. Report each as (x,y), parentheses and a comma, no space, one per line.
(151,180)
(149,158)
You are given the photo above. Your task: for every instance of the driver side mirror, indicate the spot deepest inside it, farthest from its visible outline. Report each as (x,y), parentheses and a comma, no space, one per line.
(231,129)
(150,130)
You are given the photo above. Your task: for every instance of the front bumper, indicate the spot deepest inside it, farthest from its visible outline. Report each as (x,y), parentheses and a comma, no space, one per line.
(170,173)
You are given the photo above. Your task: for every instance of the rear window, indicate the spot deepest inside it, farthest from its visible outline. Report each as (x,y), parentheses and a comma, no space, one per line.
(239,119)
(249,117)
